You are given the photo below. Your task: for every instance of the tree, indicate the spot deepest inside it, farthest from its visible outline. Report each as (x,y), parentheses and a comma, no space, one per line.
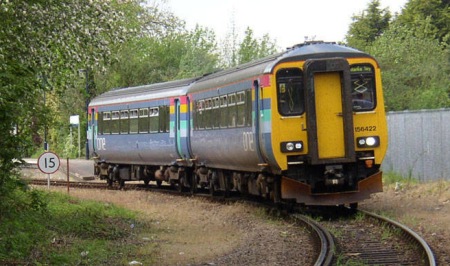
(249,49)
(38,57)
(430,17)
(200,56)
(252,48)
(368,25)
(415,76)
(19,114)
(230,45)
(147,59)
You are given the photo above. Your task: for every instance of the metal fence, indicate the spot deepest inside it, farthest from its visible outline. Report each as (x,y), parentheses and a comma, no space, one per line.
(419,144)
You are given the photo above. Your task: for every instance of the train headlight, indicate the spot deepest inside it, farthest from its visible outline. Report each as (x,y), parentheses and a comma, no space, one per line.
(368,142)
(291,146)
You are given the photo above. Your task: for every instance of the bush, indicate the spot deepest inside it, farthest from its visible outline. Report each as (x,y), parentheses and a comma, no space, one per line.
(50,228)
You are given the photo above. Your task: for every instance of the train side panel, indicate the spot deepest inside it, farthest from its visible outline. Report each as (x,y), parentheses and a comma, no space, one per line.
(223,132)
(136,133)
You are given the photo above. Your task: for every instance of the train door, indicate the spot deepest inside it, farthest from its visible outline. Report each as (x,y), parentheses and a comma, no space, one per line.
(262,135)
(94,123)
(329,111)
(182,127)
(91,145)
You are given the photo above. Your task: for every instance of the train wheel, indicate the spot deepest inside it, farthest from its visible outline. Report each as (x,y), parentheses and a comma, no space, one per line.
(212,187)
(110,179)
(110,182)
(121,183)
(146,182)
(180,186)
(193,184)
(158,183)
(212,190)
(226,192)
(277,190)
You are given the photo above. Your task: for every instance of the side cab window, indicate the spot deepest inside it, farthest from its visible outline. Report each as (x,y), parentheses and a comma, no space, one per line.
(290,91)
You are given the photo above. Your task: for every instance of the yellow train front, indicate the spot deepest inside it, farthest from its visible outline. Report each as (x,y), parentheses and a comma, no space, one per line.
(327,124)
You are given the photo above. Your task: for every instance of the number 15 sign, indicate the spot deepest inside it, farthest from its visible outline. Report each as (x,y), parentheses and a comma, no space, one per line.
(48,163)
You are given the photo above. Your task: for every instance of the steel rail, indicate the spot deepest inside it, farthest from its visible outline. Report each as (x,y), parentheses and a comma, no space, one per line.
(327,247)
(427,253)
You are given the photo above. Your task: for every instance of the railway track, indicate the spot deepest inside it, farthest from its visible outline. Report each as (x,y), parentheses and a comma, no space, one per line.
(425,254)
(363,238)
(323,240)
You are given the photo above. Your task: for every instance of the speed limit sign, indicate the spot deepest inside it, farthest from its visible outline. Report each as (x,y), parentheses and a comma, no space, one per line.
(48,163)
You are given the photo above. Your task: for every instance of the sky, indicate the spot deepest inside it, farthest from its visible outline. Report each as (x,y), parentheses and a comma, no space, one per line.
(288,22)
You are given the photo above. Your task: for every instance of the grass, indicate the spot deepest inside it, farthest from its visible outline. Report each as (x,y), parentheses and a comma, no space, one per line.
(50,228)
(391,178)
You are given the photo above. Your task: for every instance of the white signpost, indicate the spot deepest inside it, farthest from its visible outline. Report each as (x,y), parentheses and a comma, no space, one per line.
(48,163)
(75,121)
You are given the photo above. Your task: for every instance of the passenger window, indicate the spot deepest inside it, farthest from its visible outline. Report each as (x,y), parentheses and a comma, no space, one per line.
(199,114)
(216,112)
(363,88)
(290,91)
(124,122)
(154,119)
(143,120)
(232,110)
(105,123)
(223,111)
(134,126)
(164,122)
(115,122)
(240,106)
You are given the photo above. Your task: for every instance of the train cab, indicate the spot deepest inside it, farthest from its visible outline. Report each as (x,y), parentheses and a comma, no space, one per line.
(328,124)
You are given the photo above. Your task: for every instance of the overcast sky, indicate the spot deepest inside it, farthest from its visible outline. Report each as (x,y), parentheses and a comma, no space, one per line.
(286,21)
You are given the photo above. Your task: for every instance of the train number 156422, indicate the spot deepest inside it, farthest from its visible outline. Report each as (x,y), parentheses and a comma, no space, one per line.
(366,129)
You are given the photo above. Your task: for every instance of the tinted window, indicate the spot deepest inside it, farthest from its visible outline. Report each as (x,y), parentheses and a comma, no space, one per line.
(290,91)
(363,87)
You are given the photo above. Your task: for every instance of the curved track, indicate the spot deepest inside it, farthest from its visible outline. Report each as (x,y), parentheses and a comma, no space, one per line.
(364,238)
(424,251)
(326,242)
(357,243)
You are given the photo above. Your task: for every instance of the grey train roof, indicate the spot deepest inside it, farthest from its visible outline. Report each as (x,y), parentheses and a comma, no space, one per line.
(301,52)
(144,92)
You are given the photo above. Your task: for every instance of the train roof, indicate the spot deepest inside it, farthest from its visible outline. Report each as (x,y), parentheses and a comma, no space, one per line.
(144,92)
(300,52)
(316,50)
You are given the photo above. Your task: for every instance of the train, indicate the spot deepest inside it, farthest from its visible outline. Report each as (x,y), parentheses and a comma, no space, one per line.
(306,125)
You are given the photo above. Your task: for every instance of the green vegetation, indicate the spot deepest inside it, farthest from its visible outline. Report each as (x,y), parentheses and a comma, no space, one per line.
(392,178)
(54,229)
(412,49)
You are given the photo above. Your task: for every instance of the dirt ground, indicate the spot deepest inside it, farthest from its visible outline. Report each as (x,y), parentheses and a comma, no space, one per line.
(198,232)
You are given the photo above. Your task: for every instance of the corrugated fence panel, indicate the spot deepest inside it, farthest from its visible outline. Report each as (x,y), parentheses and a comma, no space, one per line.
(419,144)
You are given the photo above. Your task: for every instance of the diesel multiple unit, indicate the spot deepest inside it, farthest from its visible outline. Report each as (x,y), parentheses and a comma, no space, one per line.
(306,124)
